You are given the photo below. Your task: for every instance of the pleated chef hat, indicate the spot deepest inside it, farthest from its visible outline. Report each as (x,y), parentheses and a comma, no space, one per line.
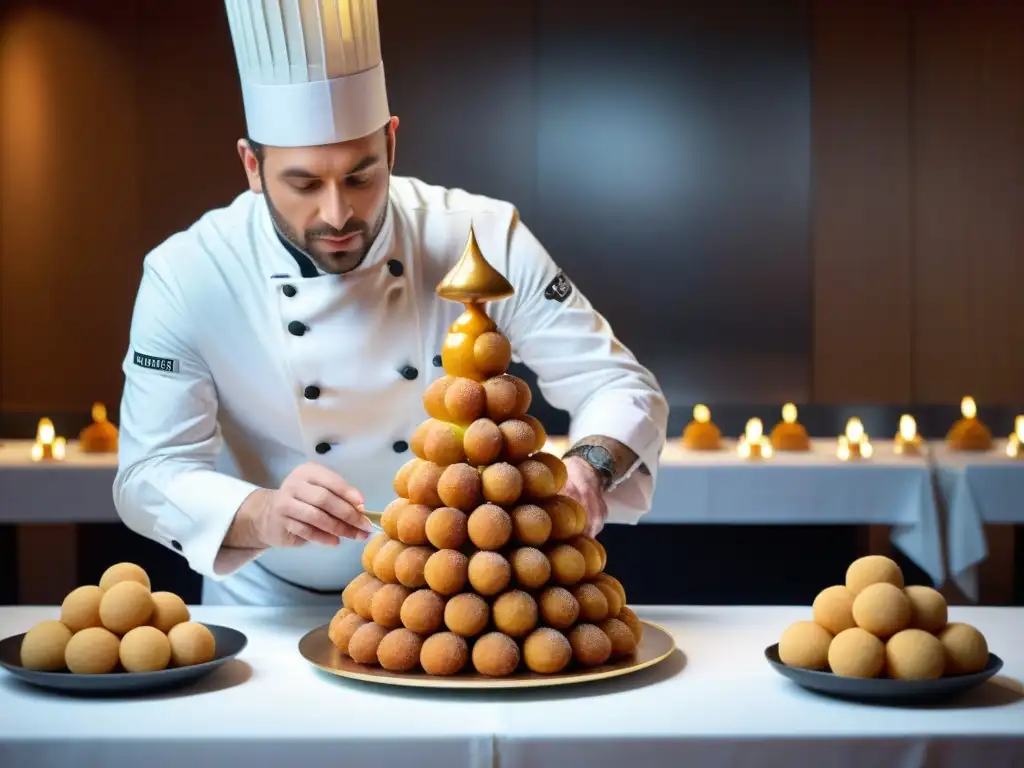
(311,70)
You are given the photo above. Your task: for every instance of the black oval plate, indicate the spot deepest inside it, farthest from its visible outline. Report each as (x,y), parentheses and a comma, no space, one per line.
(229,643)
(882,689)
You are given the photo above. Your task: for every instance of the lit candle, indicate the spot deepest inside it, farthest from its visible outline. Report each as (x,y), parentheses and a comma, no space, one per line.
(855,443)
(701,414)
(907,439)
(753,444)
(789,413)
(968,408)
(1015,445)
(48,445)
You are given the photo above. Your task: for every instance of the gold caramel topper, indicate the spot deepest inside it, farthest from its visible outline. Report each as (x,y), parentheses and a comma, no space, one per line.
(473,279)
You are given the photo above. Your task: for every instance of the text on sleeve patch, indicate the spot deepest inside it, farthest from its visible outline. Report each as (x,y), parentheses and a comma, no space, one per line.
(156,363)
(559,288)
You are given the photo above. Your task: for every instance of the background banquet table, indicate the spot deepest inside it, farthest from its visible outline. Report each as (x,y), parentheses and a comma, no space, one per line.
(714,703)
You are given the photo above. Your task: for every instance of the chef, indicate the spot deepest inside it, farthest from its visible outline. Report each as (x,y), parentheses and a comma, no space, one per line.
(281,345)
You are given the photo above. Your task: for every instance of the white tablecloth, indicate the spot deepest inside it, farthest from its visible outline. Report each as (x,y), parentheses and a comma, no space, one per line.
(710,488)
(716,703)
(976,488)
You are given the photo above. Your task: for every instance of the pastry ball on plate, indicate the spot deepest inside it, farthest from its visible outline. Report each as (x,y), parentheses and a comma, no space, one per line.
(856,652)
(401,482)
(590,646)
(467,614)
(410,566)
(567,564)
(81,608)
(93,651)
(804,644)
(443,444)
(399,650)
(145,649)
(385,559)
(928,608)
(492,353)
(124,572)
(539,432)
(465,400)
(433,398)
(591,555)
(169,610)
(446,527)
(446,571)
(555,465)
(559,608)
(418,440)
(515,613)
(882,609)
(538,481)
(341,630)
(872,569)
(363,599)
(386,605)
(489,526)
(503,397)
(412,524)
(531,567)
(43,646)
(966,649)
(363,645)
(502,484)
(833,609)
(373,546)
(423,611)
(488,573)
(423,485)
(191,643)
(520,440)
(605,578)
(349,592)
(546,651)
(483,442)
(531,525)
(495,655)
(631,620)
(593,605)
(444,653)
(623,641)
(389,519)
(914,654)
(460,487)
(125,606)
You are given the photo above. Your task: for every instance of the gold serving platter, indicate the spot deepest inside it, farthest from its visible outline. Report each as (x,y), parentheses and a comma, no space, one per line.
(316,647)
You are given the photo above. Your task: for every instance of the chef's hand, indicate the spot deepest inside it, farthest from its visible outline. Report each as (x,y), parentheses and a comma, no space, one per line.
(583,483)
(312,504)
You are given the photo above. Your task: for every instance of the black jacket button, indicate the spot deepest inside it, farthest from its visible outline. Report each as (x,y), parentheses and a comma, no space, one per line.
(295,328)
(311,392)
(176,544)
(288,290)
(322,448)
(400,446)
(395,267)
(437,361)
(410,373)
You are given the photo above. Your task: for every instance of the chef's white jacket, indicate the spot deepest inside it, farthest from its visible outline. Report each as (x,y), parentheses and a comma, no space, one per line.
(240,368)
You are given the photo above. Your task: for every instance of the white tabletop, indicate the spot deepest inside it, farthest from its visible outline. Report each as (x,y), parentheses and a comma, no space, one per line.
(717,703)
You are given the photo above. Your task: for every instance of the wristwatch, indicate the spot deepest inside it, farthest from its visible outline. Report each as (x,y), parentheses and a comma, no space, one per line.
(597,457)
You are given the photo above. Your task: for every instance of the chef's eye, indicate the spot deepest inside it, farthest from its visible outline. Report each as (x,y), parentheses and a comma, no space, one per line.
(359,180)
(305,187)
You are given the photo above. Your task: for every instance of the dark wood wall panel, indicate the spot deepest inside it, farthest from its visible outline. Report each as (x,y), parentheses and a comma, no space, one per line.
(968,124)
(862,231)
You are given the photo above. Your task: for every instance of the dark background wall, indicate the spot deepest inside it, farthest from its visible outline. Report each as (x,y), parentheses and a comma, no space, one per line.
(788,200)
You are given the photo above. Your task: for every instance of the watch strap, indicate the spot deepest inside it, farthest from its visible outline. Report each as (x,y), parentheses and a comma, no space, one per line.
(599,458)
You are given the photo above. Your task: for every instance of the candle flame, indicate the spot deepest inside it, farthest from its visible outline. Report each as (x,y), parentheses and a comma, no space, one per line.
(37,452)
(701,414)
(60,448)
(1018,428)
(843,449)
(766,449)
(908,427)
(45,432)
(99,412)
(754,430)
(789,413)
(866,450)
(854,430)
(968,408)
(743,449)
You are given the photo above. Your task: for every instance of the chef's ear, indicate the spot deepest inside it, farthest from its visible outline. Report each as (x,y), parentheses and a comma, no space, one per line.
(251,154)
(390,130)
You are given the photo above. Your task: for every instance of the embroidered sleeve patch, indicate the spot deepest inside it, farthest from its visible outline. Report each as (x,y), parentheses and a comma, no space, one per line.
(156,363)
(559,288)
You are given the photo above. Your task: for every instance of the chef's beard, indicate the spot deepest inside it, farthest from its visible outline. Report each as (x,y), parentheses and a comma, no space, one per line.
(336,262)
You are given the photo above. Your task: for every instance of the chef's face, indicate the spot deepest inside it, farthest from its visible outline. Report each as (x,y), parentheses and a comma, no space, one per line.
(327,201)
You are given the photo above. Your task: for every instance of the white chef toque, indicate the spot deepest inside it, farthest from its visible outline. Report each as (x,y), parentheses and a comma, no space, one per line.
(311,70)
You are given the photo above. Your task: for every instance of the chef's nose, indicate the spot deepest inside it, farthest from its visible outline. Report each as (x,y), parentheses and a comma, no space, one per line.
(335,209)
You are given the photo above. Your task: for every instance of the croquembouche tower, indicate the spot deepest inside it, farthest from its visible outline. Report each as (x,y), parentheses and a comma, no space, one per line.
(482,566)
